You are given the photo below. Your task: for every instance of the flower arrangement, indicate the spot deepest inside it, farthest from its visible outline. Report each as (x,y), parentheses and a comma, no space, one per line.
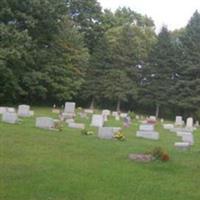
(119,136)
(86,132)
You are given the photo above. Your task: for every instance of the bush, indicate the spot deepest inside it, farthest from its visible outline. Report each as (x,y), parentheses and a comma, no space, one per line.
(131,115)
(159,154)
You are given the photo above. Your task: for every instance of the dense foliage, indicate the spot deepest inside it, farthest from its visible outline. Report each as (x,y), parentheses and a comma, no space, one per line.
(57,50)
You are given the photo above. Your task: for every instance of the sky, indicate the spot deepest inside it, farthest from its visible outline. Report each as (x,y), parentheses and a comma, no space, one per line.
(172,13)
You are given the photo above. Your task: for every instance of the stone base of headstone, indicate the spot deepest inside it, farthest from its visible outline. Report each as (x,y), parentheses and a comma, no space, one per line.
(141,157)
(76,125)
(148,135)
(10,118)
(182,145)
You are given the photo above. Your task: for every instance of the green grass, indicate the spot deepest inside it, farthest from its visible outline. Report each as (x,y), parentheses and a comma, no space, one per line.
(45,165)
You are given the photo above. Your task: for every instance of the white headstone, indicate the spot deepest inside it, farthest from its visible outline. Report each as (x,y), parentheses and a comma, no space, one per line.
(153,118)
(197,124)
(123,115)
(105,133)
(114,114)
(189,122)
(3,110)
(148,135)
(11,109)
(179,121)
(89,111)
(69,121)
(76,125)
(137,117)
(24,111)
(106,112)
(168,126)
(146,127)
(188,138)
(10,118)
(70,107)
(45,122)
(97,121)
(117,118)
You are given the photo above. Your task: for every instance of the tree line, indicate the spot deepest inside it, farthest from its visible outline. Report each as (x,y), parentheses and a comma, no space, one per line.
(52,51)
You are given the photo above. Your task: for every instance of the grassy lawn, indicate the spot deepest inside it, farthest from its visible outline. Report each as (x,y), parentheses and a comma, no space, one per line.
(45,165)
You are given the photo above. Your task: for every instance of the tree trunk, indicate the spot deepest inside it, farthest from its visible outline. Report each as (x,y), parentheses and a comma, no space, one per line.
(92,104)
(157,110)
(118,104)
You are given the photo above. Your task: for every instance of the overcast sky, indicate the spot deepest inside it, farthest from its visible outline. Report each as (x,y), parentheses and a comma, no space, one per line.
(172,13)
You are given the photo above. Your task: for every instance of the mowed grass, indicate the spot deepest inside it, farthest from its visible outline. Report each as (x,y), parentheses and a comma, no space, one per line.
(45,165)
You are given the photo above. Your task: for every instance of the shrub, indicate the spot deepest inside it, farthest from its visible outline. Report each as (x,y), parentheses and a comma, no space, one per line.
(131,115)
(165,157)
(159,154)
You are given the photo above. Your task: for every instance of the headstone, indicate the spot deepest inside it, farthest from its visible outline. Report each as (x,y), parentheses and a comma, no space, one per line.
(10,118)
(69,107)
(197,124)
(147,131)
(105,133)
(148,135)
(68,116)
(97,120)
(89,111)
(106,112)
(76,125)
(45,123)
(176,130)
(116,129)
(137,117)
(182,145)
(168,126)
(114,114)
(69,121)
(24,111)
(117,118)
(11,110)
(189,122)
(146,127)
(162,120)
(153,118)
(179,121)
(3,110)
(188,138)
(105,118)
(123,115)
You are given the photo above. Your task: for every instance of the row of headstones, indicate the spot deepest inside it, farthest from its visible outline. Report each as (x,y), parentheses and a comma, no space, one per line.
(103,132)
(9,114)
(186,133)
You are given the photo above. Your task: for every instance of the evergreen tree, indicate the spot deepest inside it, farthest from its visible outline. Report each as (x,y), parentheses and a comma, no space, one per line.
(187,88)
(160,72)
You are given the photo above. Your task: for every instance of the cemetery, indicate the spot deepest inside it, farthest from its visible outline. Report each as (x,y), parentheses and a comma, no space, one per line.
(99,100)
(71,151)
